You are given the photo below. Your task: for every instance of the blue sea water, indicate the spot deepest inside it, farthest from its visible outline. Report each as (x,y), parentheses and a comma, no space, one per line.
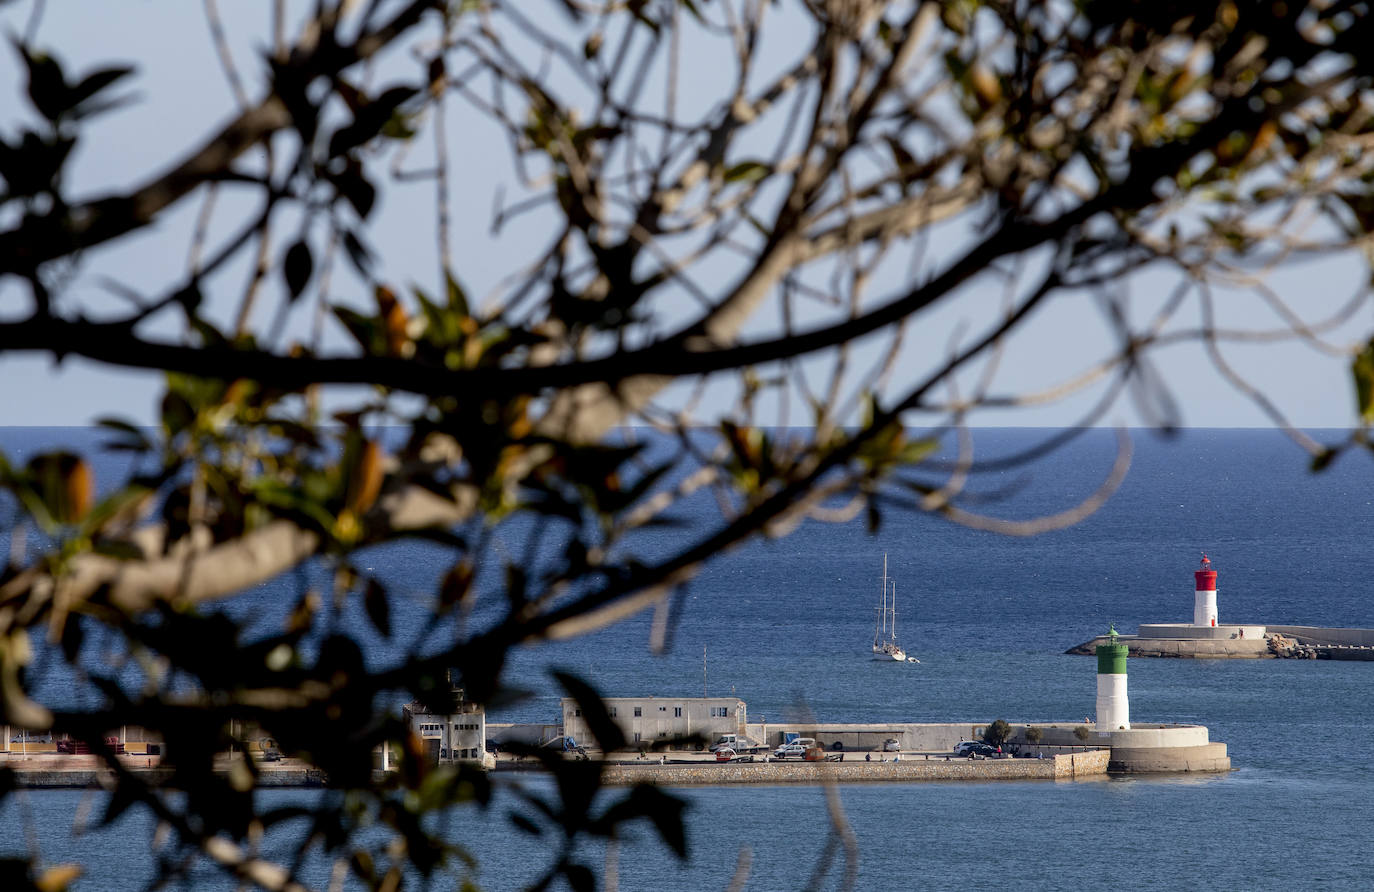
(785,624)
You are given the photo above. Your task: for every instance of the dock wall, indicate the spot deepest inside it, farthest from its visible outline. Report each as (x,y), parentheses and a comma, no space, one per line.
(1066,767)
(1197,648)
(1224,642)
(1186,630)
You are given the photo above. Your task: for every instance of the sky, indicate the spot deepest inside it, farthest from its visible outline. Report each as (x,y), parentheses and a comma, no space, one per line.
(180,93)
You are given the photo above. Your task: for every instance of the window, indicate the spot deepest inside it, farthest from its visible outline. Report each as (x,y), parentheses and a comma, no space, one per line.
(612,712)
(720,712)
(577,712)
(677,712)
(636,737)
(663,709)
(638,712)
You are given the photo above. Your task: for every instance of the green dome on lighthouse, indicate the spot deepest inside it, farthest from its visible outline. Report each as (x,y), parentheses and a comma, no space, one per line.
(1111,657)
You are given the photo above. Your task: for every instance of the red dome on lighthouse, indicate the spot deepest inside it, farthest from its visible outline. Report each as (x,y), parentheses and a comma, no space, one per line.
(1206,577)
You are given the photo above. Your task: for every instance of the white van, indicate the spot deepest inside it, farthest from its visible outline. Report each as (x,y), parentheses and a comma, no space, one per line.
(725,740)
(739,743)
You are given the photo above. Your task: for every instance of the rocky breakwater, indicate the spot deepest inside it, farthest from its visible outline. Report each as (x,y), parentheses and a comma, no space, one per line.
(1286,648)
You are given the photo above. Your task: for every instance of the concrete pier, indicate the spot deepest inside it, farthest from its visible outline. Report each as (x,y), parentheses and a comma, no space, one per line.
(1239,642)
(1089,763)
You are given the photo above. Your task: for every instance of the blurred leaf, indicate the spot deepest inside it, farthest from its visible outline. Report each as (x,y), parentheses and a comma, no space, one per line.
(378,606)
(96,81)
(131,438)
(457,299)
(594,713)
(365,329)
(747,172)
(369,120)
(47,87)
(57,878)
(580,877)
(1362,368)
(297,268)
(358,253)
(662,809)
(355,187)
(524,824)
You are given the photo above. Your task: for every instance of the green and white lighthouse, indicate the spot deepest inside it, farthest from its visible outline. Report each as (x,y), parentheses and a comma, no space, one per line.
(1113,706)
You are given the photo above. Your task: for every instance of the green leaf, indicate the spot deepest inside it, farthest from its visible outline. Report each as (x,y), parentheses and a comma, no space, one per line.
(747,172)
(1363,370)
(363,328)
(457,298)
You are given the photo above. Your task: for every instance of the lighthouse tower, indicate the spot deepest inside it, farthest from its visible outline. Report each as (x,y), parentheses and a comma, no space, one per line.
(1113,706)
(1205,597)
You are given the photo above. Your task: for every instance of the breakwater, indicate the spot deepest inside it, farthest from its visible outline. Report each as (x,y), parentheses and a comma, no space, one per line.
(1090,763)
(1256,642)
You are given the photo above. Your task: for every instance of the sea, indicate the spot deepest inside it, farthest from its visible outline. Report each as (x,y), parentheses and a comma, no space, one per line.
(786,624)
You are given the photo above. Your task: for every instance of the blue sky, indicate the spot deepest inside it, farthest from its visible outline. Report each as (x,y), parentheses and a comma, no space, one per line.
(181,94)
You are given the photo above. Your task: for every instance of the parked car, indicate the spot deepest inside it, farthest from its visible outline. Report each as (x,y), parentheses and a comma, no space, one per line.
(963,746)
(892,745)
(794,750)
(981,750)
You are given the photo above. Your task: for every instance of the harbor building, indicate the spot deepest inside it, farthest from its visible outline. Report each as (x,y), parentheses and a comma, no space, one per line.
(458,735)
(645,720)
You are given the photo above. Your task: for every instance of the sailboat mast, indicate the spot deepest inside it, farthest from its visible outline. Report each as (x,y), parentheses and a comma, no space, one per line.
(884,620)
(893,627)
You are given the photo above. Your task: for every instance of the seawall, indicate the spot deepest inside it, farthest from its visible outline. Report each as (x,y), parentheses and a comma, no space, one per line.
(90,778)
(1091,763)
(1195,648)
(1237,642)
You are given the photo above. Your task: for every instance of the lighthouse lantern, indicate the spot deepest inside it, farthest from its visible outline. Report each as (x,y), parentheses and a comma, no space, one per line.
(1205,594)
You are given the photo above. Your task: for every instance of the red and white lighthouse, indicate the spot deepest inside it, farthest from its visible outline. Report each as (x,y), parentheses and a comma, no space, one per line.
(1205,596)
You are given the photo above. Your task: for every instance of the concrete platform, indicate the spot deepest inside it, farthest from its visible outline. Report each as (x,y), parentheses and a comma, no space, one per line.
(1184,648)
(1209,757)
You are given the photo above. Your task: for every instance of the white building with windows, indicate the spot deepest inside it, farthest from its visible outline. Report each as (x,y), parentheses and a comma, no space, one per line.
(645,720)
(460,736)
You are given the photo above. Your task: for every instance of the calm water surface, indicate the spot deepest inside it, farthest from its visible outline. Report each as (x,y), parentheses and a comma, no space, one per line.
(785,625)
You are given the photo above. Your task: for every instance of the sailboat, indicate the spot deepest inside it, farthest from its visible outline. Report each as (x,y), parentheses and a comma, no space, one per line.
(885,646)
